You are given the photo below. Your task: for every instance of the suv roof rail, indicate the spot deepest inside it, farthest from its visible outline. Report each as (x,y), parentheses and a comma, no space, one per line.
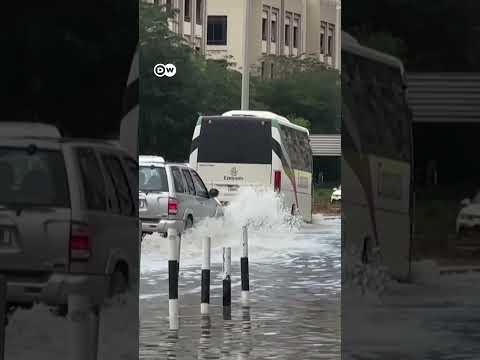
(152,159)
(29,130)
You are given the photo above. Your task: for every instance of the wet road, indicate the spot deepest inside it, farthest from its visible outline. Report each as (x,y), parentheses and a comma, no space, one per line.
(294,310)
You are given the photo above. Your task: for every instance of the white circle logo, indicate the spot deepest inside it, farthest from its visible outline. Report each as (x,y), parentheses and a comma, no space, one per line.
(161,70)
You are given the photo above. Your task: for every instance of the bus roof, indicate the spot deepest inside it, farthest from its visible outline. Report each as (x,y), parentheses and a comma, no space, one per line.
(265,115)
(350,44)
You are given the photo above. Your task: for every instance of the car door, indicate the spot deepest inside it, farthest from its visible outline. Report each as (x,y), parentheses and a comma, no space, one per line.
(194,204)
(181,192)
(120,236)
(208,205)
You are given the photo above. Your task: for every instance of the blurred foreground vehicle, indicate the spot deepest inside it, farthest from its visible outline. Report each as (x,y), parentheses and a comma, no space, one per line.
(68,216)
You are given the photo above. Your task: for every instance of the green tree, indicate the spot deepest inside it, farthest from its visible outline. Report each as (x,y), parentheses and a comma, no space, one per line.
(169,107)
(311,93)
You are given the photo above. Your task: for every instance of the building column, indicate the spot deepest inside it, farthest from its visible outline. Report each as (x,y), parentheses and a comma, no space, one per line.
(181,16)
(204,28)
(193,21)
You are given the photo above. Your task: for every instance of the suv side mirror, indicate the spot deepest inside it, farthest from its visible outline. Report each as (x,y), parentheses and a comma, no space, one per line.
(213,193)
(465,202)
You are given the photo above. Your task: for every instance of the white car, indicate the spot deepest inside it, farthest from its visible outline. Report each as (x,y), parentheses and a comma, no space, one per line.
(336,195)
(468,219)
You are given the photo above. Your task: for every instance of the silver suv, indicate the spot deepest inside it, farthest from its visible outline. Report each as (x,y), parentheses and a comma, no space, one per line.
(68,217)
(173,196)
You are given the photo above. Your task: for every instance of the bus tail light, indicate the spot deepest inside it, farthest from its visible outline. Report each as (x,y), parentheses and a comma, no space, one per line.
(277,181)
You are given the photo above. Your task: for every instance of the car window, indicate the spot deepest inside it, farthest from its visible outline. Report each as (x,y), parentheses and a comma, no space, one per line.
(178,182)
(92,177)
(152,179)
(33,177)
(188,177)
(119,180)
(199,185)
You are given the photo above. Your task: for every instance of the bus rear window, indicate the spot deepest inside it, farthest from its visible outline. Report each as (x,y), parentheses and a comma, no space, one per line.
(235,140)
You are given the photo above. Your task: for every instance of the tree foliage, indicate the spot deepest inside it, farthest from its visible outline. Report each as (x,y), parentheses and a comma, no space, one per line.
(431,35)
(169,107)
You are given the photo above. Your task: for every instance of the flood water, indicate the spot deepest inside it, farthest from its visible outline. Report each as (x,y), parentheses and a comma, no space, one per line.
(295,272)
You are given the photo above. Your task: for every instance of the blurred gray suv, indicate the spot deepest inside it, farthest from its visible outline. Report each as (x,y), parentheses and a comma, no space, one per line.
(173,196)
(68,217)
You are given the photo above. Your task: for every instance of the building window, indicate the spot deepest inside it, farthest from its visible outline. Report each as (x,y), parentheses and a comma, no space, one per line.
(295,36)
(262,70)
(264,29)
(272,70)
(188,9)
(330,42)
(217,30)
(199,13)
(287,35)
(323,29)
(274,31)
(296,31)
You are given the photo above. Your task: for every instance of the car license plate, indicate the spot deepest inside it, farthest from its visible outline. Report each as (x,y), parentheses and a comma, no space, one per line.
(232,188)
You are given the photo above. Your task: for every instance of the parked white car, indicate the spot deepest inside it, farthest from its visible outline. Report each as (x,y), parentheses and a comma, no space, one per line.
(336,195)
(468,219)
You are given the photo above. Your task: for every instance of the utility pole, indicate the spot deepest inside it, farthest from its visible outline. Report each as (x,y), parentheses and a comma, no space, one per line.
(246,59)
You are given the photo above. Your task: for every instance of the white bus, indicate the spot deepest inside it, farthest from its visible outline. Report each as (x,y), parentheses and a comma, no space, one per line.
(257,149)
(377,160)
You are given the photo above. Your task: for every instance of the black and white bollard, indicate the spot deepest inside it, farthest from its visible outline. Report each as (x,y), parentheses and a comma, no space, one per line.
(244,268)
(79,314)
(94,331)
(3,314)
(179,236)
(227,272)
(206,246)
(173,255)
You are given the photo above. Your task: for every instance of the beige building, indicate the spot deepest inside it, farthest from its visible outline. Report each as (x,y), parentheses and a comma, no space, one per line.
(277,27)
(189,21)
(324,30)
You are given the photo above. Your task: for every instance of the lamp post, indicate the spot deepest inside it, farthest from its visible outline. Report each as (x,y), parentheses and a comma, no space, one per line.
(246,59)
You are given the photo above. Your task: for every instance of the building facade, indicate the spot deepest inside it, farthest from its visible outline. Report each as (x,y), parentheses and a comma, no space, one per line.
(276,27)
(189,20)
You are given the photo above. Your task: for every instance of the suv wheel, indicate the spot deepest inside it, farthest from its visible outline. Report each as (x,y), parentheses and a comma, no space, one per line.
(189,222)
(118,282)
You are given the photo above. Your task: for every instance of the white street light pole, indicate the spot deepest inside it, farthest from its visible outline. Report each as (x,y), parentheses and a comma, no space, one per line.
(246,59)
(338,29)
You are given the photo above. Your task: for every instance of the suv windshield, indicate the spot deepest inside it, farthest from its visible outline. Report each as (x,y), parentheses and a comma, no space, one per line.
(152,178)
(33,178)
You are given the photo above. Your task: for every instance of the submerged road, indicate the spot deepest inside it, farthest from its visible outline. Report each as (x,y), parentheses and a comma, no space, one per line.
(295,287)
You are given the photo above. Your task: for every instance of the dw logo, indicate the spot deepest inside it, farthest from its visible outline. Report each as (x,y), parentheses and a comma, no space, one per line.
(161,70)
(234,172)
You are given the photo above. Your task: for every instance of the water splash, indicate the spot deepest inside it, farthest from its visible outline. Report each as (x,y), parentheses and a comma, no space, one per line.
(271,228)
(370,279)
